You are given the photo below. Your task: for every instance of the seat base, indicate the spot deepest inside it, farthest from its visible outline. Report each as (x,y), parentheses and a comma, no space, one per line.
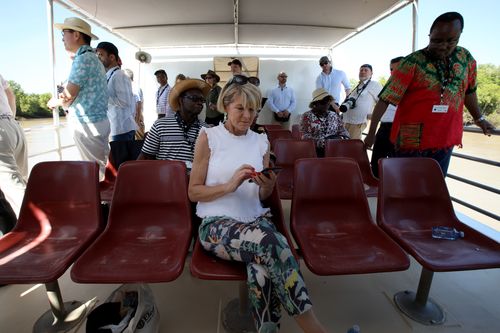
(47,323)
(235,321)
(429,314)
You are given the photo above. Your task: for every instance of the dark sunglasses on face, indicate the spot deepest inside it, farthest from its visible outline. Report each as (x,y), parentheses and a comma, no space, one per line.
(196,99)
(238,79)
(324,101)
(323,64)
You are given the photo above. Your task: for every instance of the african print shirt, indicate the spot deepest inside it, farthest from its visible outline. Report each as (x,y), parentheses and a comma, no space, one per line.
(319,128)
(415,87)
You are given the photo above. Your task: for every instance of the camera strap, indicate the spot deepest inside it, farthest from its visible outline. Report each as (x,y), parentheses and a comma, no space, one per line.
(359,90)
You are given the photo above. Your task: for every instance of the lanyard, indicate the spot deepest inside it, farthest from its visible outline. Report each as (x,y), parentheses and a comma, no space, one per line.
(159,93)
(110,75)
(185,129)
(444,73)
(358,90)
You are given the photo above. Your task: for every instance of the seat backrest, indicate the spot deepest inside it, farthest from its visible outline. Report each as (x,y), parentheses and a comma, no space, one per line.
(270,127)
(278,218)
(296,131)
(352,149)
(150,186)
(275,134)
(412,194)
(287,151)
(330,187)
(62,193)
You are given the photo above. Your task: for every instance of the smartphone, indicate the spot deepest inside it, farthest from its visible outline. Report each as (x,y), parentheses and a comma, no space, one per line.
(276,170)
(266,171)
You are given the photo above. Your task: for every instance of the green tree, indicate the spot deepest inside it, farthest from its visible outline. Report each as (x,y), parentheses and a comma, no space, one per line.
(488,88)
(30,105)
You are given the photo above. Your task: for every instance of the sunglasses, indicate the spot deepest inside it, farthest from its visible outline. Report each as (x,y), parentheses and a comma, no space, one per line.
(238,79)
(63,31)
(323,64)
(196,99)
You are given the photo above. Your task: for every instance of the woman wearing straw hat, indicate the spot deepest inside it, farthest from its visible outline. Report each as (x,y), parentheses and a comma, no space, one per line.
(321,124)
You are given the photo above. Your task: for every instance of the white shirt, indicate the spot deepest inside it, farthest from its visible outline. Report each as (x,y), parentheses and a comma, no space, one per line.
(331,83)
(121,102)
(364,103)
(281,98)
(4,101)
(162,104)
(227,153)
(389,114)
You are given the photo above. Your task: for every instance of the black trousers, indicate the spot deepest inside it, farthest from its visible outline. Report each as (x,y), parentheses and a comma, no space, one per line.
(8,218)
(382,147)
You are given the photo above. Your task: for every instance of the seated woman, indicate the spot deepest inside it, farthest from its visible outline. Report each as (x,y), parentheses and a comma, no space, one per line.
(235,225)
(320,124)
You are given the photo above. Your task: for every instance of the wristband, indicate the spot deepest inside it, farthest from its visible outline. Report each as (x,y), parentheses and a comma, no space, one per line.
(480,119)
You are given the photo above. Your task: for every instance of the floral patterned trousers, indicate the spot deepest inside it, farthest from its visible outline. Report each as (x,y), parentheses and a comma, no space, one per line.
(274,279)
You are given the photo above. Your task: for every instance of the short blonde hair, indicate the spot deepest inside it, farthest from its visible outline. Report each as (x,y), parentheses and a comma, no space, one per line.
(250,95)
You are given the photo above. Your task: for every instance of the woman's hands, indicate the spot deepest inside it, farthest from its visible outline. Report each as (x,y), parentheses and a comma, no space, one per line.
(241,174)
(265,181)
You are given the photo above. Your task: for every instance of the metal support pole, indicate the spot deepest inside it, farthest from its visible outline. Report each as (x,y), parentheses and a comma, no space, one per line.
(55,112)
(415,25)
(424,287)
(418,306)
(61,317)
(236,316)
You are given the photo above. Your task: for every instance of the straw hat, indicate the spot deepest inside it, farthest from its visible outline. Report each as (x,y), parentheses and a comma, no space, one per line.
(182,86)
(74,23)
(318,95)
(211,73)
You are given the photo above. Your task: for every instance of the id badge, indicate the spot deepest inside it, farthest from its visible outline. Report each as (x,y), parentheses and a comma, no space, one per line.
(439,108)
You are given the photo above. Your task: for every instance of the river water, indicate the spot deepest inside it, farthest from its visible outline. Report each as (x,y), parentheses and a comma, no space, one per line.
(41,137)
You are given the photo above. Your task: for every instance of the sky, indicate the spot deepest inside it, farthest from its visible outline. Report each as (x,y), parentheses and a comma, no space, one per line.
(25,52)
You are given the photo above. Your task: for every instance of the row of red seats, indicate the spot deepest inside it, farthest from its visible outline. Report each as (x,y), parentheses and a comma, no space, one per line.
(148,234)
(287,151)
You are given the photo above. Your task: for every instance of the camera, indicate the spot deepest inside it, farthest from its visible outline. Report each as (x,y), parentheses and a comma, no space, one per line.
(349,103)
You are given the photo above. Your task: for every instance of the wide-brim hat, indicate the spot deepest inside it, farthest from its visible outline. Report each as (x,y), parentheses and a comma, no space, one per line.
(182,86)
(319,95)
(212,73)
(77,24)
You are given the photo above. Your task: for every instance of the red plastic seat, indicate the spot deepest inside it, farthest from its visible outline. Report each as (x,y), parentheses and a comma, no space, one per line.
(270,127)
(287,152)
(354,149)
(60,216)
(206,266)
(296,132)
(149,227)
(413,198)
(332,224)
(275,134)
(120,152)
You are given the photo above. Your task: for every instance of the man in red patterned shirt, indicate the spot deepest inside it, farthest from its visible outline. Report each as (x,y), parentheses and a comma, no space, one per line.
(430,88)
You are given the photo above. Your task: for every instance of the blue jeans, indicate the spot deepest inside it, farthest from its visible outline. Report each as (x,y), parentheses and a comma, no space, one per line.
(442,156)
(129,136)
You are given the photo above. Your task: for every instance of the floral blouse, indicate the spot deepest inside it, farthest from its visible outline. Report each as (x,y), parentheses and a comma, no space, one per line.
(319,128)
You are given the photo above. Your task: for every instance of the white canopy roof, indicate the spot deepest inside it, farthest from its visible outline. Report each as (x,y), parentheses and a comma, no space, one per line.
(173,23)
